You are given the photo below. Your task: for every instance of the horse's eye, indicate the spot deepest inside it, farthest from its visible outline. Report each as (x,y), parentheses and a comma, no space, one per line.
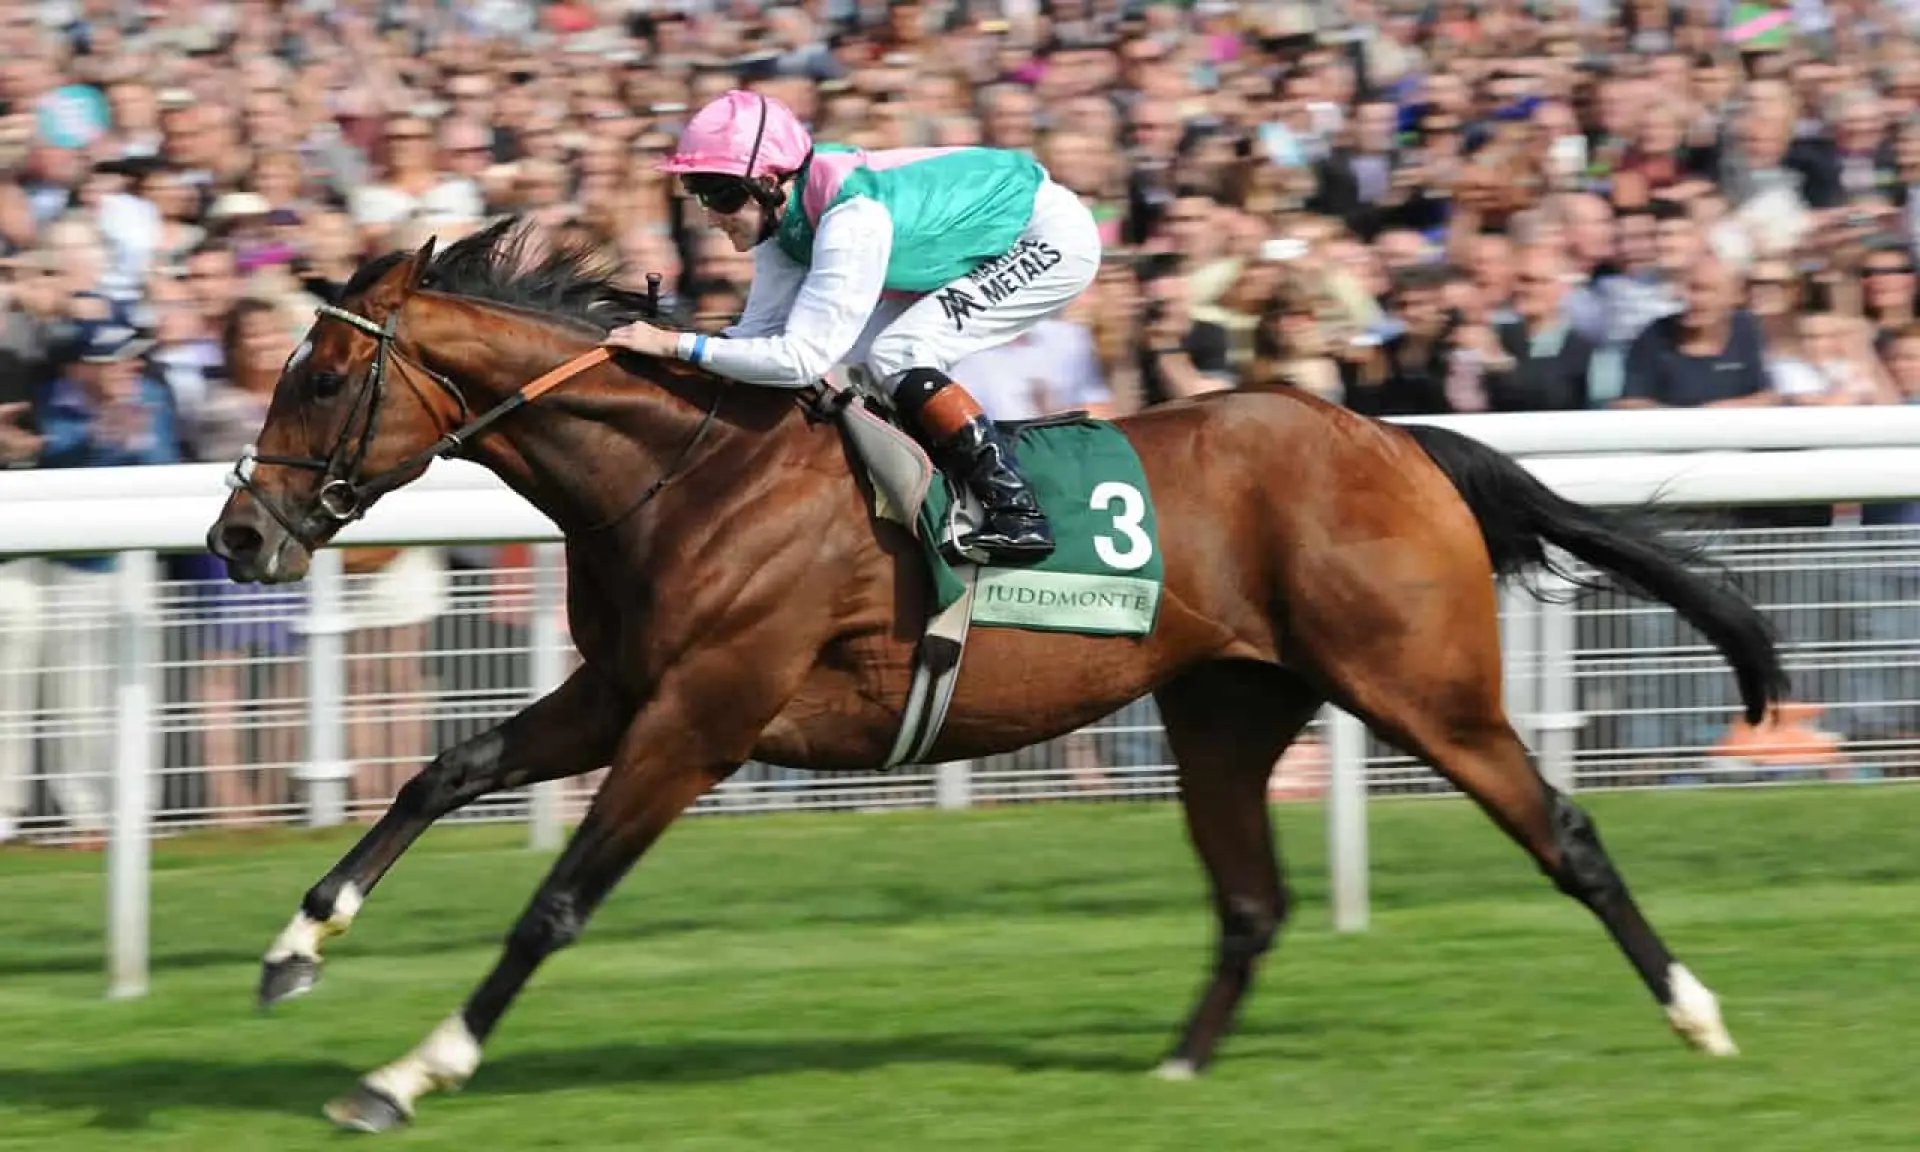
(327,384)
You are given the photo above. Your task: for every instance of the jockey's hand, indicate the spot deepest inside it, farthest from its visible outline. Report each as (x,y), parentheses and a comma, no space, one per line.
(643,338)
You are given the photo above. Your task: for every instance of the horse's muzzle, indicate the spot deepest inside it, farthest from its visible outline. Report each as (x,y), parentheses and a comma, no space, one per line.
(255,551)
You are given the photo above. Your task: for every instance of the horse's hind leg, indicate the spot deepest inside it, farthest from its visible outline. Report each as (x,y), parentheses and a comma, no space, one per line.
(571,730)
(1490,764)
(1227,724)
(1445,708)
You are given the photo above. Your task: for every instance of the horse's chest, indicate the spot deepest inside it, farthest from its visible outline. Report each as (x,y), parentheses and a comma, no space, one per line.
(615,643)
(611,632)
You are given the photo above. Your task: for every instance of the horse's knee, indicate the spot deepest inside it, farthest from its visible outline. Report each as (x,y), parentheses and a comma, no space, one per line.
(425,792)
(452,778)
(552,922)
(1248,928)
(1582,869)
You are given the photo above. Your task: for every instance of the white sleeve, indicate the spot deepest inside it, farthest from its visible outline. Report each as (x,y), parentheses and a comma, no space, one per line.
(776,281)
(851,248)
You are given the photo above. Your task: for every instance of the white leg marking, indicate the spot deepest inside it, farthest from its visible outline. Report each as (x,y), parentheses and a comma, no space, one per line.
(302,935)
(445,1059)
(1694,1013)
(1175,1070)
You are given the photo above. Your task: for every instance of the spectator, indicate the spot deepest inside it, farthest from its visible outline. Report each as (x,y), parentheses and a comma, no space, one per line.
(1839,350)
(106,409)
(24,359)
(1707,355)
(1290,344)
(1052,367)
(1406,375)
(1179,358)
(1549,365)
(1903,363)
(1887,283)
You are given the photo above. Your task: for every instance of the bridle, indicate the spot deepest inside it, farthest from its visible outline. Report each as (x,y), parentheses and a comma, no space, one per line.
(344,496)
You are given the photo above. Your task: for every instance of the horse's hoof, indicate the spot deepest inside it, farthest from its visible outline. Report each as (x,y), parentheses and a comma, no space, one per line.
(285,979)
(366,1109)
(1176,1071)
(1694,1013)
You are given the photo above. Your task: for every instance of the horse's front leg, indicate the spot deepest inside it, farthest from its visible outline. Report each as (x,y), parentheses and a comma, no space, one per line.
(683,742)
(569,731)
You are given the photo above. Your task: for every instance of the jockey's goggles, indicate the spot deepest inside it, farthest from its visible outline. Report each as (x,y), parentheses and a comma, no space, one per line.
(718,192)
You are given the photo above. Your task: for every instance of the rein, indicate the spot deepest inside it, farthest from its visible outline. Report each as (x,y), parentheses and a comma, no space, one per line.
(344,498)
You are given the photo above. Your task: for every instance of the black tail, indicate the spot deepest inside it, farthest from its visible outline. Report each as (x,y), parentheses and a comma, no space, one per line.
(1519,516)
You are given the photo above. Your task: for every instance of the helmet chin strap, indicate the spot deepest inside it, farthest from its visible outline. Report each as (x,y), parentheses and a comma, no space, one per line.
(770,198)
(773,200)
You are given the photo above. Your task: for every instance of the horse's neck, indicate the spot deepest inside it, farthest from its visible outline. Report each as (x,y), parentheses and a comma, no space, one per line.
(587,452)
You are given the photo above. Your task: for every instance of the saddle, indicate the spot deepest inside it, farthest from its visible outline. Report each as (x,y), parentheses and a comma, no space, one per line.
(901,475)
(899,470)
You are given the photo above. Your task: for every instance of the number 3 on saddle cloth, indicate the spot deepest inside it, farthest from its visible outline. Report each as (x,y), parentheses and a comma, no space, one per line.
(1104,576)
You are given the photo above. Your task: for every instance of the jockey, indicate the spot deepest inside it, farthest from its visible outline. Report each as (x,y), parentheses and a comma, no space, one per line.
(903,260)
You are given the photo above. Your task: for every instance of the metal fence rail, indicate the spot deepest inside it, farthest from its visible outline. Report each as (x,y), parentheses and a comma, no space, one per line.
(434,653)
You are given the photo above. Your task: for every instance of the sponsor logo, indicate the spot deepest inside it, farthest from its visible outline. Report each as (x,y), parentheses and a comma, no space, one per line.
(1066,601)
(997,280)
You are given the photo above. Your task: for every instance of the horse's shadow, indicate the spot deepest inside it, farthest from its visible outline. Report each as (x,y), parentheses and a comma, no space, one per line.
(127,1094)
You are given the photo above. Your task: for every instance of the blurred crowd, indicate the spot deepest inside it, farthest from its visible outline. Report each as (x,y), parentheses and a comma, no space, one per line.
(1404,207)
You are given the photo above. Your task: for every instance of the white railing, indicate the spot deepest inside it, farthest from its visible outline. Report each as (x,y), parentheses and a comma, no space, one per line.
(1828,456)
(1685,429)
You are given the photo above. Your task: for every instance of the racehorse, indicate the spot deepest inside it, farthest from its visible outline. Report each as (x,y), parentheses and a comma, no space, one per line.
(732,597)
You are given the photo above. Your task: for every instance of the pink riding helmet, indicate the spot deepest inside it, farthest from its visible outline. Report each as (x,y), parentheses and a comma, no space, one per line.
(742,134)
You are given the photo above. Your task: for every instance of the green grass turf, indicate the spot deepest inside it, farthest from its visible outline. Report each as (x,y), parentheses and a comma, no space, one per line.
(1003,979)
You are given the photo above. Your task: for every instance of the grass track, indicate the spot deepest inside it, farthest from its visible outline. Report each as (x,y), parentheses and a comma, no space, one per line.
(1002,980)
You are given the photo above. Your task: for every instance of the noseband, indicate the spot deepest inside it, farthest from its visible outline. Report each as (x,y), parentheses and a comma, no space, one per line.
(344,496)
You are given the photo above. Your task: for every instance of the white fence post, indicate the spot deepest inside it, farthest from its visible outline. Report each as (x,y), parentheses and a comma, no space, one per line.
(325,769)
(129,873)
(953,784)
(1559,715)
(1347,820)
(1519,658)
(548,639)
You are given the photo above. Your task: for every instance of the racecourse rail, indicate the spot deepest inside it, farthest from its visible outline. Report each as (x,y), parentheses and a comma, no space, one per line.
(1692,457)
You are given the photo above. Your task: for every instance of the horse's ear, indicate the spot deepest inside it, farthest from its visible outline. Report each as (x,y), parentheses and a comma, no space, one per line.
(403,279)
(422,260)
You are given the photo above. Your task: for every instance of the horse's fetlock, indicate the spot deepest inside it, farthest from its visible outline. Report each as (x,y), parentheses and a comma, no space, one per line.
(1584,871)
(553,922)
(318,904)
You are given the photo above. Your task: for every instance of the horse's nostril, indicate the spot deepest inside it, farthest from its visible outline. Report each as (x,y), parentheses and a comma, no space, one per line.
(239,541)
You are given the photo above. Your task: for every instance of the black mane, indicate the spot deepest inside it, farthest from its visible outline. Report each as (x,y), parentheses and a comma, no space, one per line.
(572,279)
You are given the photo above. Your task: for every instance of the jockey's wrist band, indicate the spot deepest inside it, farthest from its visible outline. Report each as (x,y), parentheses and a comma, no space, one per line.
(692,346)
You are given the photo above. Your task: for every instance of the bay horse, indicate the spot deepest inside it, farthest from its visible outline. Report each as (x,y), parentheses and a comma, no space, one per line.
(732,597)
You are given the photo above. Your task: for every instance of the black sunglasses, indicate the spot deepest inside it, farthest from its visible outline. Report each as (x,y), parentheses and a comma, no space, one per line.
(717,193)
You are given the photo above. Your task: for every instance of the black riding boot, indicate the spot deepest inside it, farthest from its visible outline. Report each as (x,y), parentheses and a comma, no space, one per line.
(964,442)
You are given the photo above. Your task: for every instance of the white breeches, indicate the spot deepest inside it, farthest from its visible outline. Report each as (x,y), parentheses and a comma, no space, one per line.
(1053,261)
